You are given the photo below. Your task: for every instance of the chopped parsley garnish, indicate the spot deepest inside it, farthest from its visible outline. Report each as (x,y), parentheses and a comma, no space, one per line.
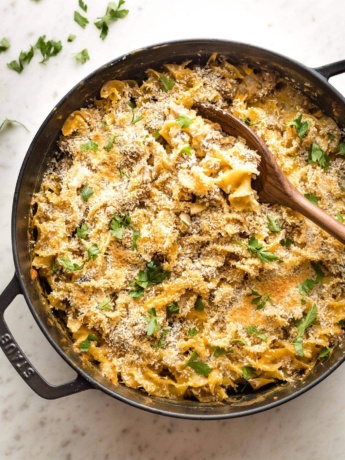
(312,198)
(153,324)
(82,5)
(286,242)
(92,252)
(331,136)
(123,173)
(192,332)
(85,345)
(68,265)
(302,327)
(341,148)
(81,20)
(161,341)
(48,48)
(339,217)
(86,192)
(135,237)
(219,351)
(324,352)
(184,121)
(273,225)
(8,121)
(317,155)
(156,134)
(105,304)
(253,330)
(301,126)
(168,83)
(134,120)
(187,149)
(248,372)
(262,253)
(110,143)
(197,366)
(260,300)
(243,342)
(83,56)
(308,285)
(173,308)
(71,38)
(118,225)
(199,305)
(90,145)
(24,58)
(152,275)
(4,45)
(113,13)
(82,232)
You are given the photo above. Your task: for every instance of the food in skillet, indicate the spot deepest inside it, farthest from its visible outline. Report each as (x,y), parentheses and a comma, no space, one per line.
(169,272)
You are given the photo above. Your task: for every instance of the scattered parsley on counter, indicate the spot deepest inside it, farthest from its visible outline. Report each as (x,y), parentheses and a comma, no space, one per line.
(308,285)
(86,192)
(82,231)
(168,83)
(82,5)
(173,308)
(301,126)
(197,366)
(83,56)
(153,324)
(317,155)
(113,13)
(199,305)
(262,253)
(48,48)
(253,330)
(152,275)
(81,20)
(184,121)
(312,198)
(248,372)
(71,38)
(8,121)
(85,345)
(260,300)
(24,58)
(302,327)
(4,45)
(273,225)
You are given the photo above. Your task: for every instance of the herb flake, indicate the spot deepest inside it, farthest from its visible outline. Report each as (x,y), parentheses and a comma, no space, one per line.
(265,256)
(199,367)
(168,83)
(301,126)
(80,20)
(113,13)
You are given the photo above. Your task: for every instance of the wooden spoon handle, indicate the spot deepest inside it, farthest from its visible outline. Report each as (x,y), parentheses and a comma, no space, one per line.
(320,217)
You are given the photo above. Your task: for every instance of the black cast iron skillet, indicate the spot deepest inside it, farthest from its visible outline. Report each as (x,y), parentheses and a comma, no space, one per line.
(313,82)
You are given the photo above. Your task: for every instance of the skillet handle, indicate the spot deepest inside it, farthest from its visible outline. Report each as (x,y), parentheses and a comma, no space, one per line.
(330,70)
(20,362)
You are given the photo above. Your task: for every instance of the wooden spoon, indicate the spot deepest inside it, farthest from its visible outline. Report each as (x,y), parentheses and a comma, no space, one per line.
(271,185)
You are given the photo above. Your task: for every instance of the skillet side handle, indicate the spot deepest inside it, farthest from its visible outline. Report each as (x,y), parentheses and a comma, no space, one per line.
(20,362)
(330,70)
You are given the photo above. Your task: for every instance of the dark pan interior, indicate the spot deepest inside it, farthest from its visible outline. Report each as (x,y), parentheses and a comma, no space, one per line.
(42,150)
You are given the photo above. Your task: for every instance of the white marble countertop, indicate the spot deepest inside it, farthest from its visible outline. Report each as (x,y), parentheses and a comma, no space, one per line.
(92,425)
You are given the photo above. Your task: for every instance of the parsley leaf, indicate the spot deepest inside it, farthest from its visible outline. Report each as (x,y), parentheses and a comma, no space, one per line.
(86,192)
(168,83)
(161,341)
(262,253)
(24,58)
(48,48)
(301,126)
(187,149)
(82,5)
(83,56)
(4,45)
(298,344)
(110,143)
(260,300)
(287,242)
(135,237)
(92,252)
(308,285)
(173,308)
(82,231)
(135,120)
(311,197)
(219,351)
(324,352)
(341,148)
(273,225)
(85,345)
(253,330)
(197,366)
(248,372)
(68,265)
(184,121)
(113,13)
(105,304)
(152,275)
(302,327)
(90,145)
(339,217)
(153,324)
(71,38)
(199,305)
(118,225)
(8,121)
(192,332)
(317,155)
(81,20)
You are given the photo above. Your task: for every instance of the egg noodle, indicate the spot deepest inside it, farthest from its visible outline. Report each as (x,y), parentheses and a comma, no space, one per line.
(169,272)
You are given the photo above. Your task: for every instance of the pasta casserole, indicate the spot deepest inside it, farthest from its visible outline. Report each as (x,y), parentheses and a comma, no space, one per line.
(152,244)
